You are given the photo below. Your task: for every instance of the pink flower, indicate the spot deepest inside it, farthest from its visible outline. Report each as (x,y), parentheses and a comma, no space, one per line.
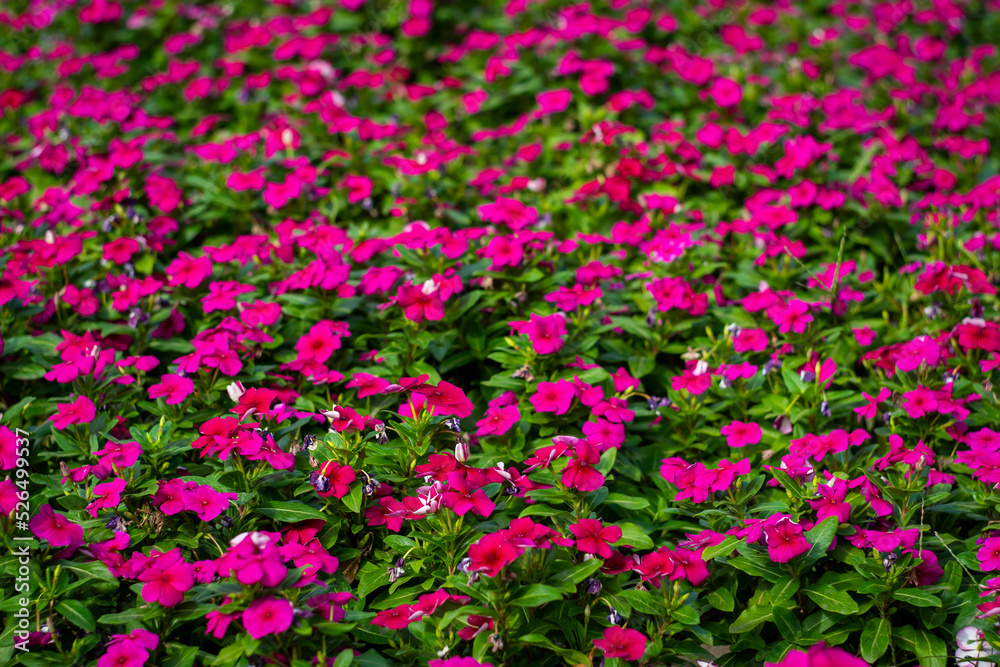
(358,188)
(491,554)
(498,420)
(793,317)
(107,495)
(832,502)
(989,554)
(167,578)
(725,92)
(751,340)
(593,537)
(421,303)
(175,388)
(188,271)
(267,616)
(340,478)
(138,638)
(80,411)
(819,655)
(580,473)
(785,540)
(396,618)
(121,654)
(556,397)
(622,643)
(367,384)
(553,101)
(870,409)
(545,332)
(57,529)
(121,454)
(740,434)
(919,402)
(207,503)
(462,498)
(9,448)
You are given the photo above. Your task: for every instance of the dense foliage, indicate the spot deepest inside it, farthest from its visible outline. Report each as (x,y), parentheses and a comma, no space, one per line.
(499,333)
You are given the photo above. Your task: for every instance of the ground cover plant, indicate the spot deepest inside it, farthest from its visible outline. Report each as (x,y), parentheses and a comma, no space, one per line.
(500,333)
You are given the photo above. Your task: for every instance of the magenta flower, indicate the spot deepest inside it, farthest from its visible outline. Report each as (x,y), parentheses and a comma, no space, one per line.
(57,529)
(462,498)
(9,449)
(80,411)
(832,502)
(207,503)
(167,578)
(580,473)
(819,655)
(121,654)
(107,495)
(870,409)
(740,434)
(593,537)
(545,333)
(785,540)
(622,643)
(491,554)
(793,317)
(396,618)
(919,402)
(358,188)
(498,420)
(367,384)
(267,616)
(121,454)
(556,397)
(340,479)
(174,388)
(989,554)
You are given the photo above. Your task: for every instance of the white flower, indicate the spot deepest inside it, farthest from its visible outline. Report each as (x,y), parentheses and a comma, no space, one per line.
(972,646)
(235,391)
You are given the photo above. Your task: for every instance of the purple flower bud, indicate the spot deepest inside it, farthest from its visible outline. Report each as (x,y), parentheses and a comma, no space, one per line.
(319,482)
(594,586)
(396,571)
(783,424)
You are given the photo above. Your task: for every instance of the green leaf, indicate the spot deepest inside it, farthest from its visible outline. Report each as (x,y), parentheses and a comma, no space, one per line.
(289,511)
(930,649)
(353,499)
(721,599)
(720,550)
(122,618)
(875,639)
(686,614)
(181,656)
(788,623)
(627,502)
(834,601)
(643,602)
(820,537)
(536,595)
(634,536)
(345,658)
(751,618)
(917,597)
(77,613)
(783,589)
(577,574)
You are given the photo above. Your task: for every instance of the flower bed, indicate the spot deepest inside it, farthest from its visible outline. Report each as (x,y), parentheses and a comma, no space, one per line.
(499,334)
